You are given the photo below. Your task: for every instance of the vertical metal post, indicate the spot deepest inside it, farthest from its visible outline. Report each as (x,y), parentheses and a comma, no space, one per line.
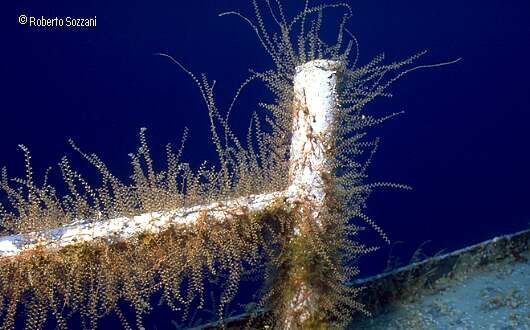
(314,107)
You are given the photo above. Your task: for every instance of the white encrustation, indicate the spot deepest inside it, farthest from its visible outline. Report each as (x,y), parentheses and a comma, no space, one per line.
(314,103)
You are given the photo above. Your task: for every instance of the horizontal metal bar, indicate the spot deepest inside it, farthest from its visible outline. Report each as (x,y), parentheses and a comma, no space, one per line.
(126,227)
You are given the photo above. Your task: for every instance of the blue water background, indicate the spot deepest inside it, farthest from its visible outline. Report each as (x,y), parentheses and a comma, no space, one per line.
(463,142)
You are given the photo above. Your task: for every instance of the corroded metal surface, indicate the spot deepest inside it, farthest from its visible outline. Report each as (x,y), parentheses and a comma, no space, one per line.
(314,89)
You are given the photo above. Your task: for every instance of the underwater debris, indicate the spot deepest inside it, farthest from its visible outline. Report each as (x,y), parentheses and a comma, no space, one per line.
(86,252)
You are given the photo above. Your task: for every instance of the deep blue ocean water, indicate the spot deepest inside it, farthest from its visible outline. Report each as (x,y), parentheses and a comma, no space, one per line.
(463,142)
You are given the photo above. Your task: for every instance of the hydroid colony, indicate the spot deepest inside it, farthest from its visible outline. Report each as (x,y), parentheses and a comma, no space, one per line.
(94,279)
